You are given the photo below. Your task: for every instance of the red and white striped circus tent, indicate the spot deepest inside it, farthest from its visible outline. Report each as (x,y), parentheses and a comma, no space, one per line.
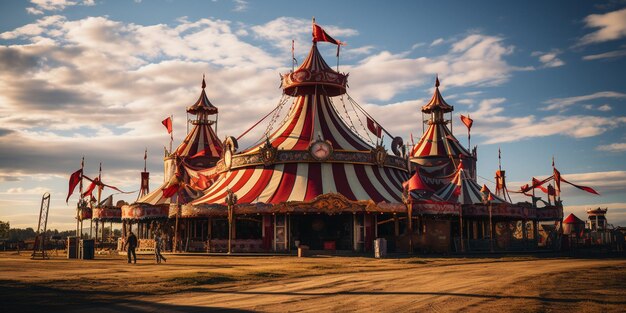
(438,152)
(201,143)
(312,155)
(199,150)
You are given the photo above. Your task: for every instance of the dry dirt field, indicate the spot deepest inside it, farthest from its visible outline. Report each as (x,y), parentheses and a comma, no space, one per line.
(314,284)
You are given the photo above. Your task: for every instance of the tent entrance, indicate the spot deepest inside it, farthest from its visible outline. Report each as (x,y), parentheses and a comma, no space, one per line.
(321,231)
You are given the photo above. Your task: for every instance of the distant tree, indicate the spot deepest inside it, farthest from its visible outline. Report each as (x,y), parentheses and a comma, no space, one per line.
(18,234)
(4,229)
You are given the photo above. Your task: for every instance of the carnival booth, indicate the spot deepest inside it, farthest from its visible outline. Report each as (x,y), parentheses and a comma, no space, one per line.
(105,213)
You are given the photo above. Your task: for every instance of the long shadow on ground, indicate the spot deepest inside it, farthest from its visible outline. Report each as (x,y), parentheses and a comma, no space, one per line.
(20,297)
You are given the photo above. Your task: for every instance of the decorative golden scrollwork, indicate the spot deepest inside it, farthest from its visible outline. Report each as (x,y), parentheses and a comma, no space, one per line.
(268,153)
(379,155)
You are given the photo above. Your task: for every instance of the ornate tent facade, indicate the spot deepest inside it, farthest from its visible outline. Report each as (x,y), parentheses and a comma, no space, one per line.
(485,220)
(312,181)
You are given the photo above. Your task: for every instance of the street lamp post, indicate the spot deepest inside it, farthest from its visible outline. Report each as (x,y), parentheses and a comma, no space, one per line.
(231,200)
(490,227)
(487,199)
(406,195)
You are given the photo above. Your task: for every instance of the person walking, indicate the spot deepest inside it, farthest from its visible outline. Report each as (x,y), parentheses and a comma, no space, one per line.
(158,244)
(131,244)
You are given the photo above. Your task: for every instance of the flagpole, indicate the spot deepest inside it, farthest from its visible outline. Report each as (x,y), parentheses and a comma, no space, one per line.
(80,194)
(172,133)
(469,144)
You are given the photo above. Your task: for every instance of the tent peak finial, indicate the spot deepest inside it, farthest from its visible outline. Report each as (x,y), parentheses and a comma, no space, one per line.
(203,82)
(437,80)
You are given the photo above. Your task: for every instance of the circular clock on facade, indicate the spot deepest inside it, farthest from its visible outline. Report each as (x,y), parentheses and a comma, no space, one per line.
(321,150)
(228,158)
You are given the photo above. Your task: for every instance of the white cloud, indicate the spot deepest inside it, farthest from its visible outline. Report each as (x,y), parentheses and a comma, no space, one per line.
(497,128)
(240,5)
(611,26)
(436,42)
(417,45)
(605,108)
(503,129)
(606,55)
(474,60)
(281,31)
(563,103)
(614,147)
(31,191)
(34,11)
(55,5)
(549,59)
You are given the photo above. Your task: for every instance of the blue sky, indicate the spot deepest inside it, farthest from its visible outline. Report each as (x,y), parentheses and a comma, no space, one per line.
(95,78)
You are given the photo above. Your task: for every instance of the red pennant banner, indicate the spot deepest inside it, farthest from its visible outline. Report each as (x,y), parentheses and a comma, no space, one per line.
(74,180)
(91,187)
(467,121)
(168,124)
(320,35)
(374,127)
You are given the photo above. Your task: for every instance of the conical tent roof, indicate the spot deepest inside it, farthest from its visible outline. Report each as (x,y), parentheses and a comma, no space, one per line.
(438,141)
(313,115)
(464,190)
(203,105)
(572,219)
(284,168)
(201,140)
(437,103)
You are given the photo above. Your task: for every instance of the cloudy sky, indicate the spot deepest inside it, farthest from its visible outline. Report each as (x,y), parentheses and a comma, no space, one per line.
(96,77)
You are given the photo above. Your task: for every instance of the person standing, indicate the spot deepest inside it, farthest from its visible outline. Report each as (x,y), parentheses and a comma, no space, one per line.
(131,244)
(158,243)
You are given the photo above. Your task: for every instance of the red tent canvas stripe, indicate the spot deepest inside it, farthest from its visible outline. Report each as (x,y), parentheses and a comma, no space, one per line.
(314,186)
(367,184)
(286,186)
(259,185)
(385,183)
(220,186)
(340,130)
(277,140)
(304,138)
(341,181)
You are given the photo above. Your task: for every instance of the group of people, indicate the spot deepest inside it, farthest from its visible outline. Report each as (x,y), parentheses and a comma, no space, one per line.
(131,245)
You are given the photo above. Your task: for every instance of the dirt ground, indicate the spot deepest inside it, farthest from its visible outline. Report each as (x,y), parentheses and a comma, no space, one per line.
(201,283)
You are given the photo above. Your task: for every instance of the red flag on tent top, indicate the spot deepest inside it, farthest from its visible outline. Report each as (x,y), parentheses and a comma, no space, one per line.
(467,121)
(320,35)
(168,124)
(374,127)
(74,180)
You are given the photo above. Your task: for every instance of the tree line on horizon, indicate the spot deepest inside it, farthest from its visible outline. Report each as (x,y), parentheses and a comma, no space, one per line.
(21,234)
